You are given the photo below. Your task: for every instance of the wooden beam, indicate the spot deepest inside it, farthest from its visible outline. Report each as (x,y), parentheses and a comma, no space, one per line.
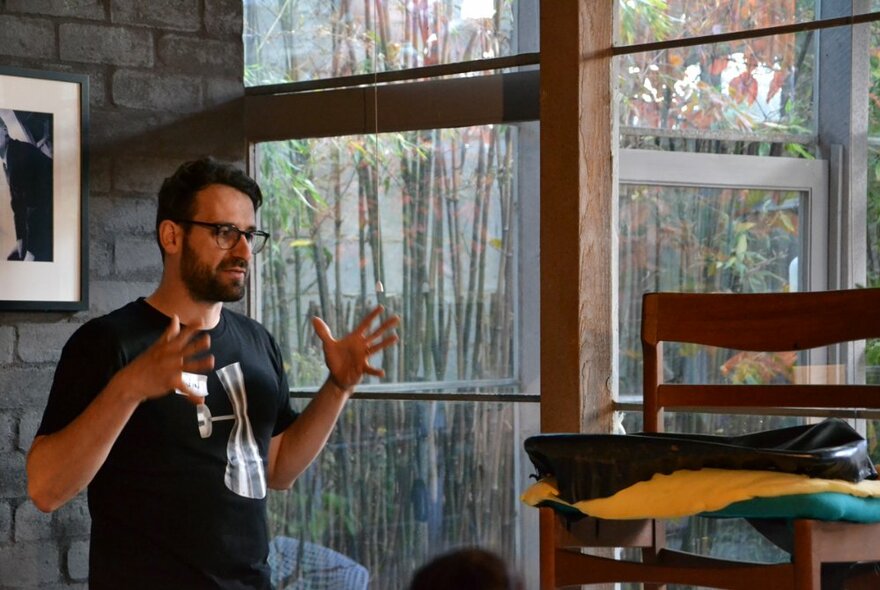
(578,216)
(455,102)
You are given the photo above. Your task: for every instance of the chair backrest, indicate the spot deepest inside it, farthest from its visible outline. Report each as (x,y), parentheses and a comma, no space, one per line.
(772,322)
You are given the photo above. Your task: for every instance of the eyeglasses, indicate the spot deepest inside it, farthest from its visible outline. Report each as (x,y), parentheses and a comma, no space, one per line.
(227,235)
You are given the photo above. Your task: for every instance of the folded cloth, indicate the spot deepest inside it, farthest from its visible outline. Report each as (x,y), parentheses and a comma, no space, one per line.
(822,506)
(588,466)
(689,492)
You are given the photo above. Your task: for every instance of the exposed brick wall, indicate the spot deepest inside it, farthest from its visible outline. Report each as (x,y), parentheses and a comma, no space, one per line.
(166,85)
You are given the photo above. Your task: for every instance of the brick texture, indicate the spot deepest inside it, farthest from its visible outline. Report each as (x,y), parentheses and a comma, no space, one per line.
(87,9)
(194,55)
(144,90)
(181,15)
(27,37)
(31,524)
(5,522)
(7,432)
(35,565)
(78,561)
(41,343)
(105,45)
(7,344)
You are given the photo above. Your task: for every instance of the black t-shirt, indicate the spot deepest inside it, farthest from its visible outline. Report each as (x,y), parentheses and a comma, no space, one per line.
(171,509)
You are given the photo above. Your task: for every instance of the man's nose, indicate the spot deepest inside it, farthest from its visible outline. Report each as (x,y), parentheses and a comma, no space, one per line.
(242,248)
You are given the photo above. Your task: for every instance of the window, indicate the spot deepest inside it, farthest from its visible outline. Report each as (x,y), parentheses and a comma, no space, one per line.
(872,220)
(414,189)
(297,41)
(733,178)
(422,222)
(647,22)
(706,222)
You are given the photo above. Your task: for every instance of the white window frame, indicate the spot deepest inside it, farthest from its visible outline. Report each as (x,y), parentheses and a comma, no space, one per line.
(809,177)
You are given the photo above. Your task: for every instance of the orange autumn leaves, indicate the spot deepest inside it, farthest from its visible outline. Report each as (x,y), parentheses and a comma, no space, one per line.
(713,84)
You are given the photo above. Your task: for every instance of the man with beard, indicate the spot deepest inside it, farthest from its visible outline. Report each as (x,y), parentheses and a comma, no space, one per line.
(177,499)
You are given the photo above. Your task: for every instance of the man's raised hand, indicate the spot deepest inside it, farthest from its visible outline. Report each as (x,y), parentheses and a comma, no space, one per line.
(159,370)
(348,358)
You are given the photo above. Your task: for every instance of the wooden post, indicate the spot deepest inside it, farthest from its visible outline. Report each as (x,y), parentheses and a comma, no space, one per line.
(578,222)
(578,216)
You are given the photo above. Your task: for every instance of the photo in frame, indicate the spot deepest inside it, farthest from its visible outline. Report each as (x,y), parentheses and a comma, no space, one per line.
(43,190)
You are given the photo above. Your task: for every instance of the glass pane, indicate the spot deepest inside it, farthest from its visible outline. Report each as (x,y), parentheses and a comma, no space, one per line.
(401,482)
(292,41)
(872,219)
(750,97)
(700,239)
(644,21)
(422,222)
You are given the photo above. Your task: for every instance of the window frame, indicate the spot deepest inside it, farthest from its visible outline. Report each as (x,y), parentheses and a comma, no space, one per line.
(501,91)
(810,177)
(726,171)
(496,97)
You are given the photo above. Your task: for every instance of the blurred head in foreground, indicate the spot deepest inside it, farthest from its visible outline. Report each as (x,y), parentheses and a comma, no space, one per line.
(465,569)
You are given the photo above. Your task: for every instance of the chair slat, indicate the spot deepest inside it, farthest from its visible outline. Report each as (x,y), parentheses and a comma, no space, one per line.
(768,396)
(772,322)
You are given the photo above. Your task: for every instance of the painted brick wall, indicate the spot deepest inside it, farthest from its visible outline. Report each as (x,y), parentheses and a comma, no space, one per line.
(166,85)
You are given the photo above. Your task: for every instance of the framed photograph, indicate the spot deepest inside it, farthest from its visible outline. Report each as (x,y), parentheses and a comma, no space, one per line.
(43,190)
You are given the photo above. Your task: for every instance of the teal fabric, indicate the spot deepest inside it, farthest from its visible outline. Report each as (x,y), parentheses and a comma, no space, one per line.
(821,506)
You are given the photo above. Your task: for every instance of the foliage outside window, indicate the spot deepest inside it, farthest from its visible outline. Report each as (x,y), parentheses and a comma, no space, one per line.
(427,215)
(646,21)
(872,352)
(296,41)
(425,223)
(701,239)
(753,97)
(349,213)
(401,481)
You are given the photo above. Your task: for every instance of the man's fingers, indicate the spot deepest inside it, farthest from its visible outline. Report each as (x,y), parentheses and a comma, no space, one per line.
(173,329)
(368,319)
(322,329)
(388,324)
(199,364)
(198,344)
(383,344)
(374,371)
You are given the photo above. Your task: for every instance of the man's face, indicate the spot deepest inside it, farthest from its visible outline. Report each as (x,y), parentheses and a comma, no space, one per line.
(210,273)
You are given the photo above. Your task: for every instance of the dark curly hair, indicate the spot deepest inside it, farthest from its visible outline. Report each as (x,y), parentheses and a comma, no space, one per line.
(178,192)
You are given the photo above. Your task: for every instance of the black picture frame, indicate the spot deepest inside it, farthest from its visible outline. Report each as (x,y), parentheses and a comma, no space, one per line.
(44,238)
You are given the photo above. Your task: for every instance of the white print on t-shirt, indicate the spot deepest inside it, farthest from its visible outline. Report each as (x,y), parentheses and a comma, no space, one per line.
(198,384)
(244,467)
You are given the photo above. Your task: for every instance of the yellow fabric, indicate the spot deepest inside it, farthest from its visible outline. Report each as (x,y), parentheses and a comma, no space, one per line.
(684,493)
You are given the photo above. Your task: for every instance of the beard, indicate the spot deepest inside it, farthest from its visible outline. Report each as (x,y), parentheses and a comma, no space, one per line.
(204,282)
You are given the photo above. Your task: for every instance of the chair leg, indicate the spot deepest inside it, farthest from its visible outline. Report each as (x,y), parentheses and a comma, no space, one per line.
(807,568)
(649,555)
(547,549)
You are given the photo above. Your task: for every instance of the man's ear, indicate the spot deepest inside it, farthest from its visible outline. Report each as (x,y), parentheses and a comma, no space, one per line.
(170,236)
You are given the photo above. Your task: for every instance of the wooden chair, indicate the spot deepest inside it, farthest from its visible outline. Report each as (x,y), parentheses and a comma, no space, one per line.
(745,322)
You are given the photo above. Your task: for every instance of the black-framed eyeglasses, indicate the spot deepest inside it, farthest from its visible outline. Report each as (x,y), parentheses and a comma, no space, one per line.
(227,235)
